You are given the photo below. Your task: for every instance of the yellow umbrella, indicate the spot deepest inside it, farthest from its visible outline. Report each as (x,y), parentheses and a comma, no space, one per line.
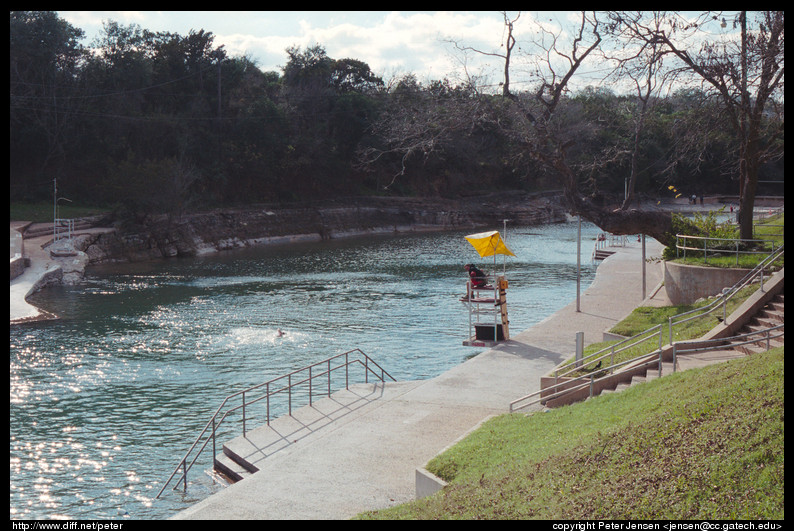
(488,244)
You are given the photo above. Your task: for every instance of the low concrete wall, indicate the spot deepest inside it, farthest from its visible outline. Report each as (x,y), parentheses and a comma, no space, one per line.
(17,266)
(427,484)
(685,284)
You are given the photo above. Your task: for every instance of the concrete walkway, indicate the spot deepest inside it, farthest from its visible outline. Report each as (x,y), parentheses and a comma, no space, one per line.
(359,450)
(41,267)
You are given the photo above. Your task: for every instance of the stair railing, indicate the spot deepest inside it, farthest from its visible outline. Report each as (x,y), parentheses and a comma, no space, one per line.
(566,370)
(767,335)
(589,360)
(645,361)
(567,387)
(722,300)
(305,375)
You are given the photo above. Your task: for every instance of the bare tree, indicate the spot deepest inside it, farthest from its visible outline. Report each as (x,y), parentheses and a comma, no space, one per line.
(643,68)
(548,134)
(545,129)
(508,45)
(746,77)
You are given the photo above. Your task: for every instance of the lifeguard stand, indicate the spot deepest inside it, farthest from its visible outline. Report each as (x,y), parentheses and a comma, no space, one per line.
(487,305)
(489,301)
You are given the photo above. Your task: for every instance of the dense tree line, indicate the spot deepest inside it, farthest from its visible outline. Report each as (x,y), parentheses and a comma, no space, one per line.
(161,122)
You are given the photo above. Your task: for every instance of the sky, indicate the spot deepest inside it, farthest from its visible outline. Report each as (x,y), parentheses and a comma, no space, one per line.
(392,43)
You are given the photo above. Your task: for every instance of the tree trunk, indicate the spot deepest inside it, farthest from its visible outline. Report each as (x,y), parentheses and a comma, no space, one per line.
(654,223)
(749,177)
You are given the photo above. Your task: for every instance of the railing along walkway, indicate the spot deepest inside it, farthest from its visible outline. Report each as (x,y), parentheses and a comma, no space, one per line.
(305,376)
(595,360)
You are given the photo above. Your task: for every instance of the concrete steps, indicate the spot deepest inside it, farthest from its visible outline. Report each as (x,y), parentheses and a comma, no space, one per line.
(771,315)
(650,374)
(601,254)
(246,454)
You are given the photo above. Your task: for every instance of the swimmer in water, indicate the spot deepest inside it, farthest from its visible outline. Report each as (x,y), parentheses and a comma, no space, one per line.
(279,333)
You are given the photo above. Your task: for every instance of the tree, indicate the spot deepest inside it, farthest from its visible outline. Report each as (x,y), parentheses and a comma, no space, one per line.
(45,57)
(548,133)
(508,45)
(746,77)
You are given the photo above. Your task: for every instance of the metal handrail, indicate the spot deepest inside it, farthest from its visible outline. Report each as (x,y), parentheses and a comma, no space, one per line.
(370,366)
(63,229)
(645,360)
(588,380)
(720,301)
(714,250)
(719,343)
(610,350)
(590,359)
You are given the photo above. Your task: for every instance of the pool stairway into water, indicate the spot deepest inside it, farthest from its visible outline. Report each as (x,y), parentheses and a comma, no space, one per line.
(243,455)
(254,404)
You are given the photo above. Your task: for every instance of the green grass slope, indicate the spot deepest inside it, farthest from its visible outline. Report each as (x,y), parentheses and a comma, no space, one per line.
(704,443)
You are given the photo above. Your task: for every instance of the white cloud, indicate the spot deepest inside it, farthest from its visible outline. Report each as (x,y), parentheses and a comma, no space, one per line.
(391,43)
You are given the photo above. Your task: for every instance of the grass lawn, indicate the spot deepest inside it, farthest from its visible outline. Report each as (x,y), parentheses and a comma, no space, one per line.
(41,212)
(699,444)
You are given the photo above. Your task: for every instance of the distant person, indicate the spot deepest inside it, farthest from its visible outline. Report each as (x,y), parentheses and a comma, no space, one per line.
(476,276)
(279,333)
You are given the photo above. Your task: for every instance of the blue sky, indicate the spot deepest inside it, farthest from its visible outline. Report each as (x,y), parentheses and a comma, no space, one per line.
(391,42)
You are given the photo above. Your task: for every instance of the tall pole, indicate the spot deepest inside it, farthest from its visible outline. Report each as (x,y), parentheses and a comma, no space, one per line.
(504,238)
(578,259)
(54,206)
(643,267)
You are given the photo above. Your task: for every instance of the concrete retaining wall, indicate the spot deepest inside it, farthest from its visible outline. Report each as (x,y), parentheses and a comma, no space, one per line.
(427,484)
(685,284)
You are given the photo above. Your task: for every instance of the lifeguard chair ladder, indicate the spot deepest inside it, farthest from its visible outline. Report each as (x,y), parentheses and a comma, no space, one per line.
(481,333)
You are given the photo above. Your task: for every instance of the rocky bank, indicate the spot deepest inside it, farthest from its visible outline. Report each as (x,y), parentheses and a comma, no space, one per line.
(212,231)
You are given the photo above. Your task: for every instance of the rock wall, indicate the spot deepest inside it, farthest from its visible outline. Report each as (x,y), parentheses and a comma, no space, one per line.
(213,231)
